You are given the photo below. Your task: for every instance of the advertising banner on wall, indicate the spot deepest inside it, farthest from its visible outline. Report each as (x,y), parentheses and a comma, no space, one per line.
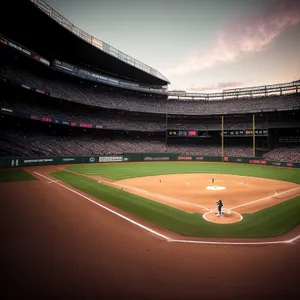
(68,159)
(199,158)
(257,161)
(36,161)
(110,158)
(157,158)
(185,158)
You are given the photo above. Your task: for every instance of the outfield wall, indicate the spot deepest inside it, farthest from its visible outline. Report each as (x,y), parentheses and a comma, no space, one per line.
(58,160)
(134,157)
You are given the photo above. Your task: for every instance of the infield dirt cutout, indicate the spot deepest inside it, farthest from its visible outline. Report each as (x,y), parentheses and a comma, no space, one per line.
(195,193)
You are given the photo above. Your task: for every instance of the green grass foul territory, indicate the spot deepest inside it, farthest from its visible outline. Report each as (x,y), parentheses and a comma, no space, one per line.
(15,175)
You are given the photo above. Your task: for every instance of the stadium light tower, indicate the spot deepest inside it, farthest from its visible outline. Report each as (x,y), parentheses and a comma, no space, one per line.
(166,139)
(253,135)
(222,138)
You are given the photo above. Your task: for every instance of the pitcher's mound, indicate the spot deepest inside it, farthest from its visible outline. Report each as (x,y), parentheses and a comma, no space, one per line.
(227,217)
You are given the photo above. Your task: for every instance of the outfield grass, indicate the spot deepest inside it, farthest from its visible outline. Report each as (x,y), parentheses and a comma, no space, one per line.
(270,222)
(125,170)
(15,175)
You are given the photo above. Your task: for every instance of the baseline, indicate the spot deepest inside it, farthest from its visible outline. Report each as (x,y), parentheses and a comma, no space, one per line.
(265,198)
(137,189)
(108,209)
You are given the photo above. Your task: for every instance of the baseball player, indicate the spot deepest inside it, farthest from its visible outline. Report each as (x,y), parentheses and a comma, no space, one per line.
(220,205)
(212,180)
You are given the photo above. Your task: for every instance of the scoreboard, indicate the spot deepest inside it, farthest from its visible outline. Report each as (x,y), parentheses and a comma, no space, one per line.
(227,133)
(258,132)
(188,133)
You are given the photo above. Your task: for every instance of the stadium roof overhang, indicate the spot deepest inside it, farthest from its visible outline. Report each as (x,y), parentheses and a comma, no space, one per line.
(30,26)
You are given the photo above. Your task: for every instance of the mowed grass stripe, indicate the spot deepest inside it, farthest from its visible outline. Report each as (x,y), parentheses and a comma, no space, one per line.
(270,222)
(15,175)
(125,171)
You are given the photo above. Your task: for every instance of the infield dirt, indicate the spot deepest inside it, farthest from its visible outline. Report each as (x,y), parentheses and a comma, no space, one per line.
(197,193)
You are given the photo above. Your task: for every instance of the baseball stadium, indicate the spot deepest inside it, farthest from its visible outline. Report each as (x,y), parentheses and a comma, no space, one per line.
(110,182)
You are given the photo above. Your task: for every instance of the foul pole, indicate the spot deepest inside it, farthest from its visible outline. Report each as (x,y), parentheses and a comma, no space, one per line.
(222,138)
(253,134)
(166,125)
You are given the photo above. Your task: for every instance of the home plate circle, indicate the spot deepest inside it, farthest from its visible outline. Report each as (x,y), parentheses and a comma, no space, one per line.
(216,188)
(228,217)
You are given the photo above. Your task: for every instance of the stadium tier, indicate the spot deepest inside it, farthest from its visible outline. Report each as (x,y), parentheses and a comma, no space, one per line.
(30,143)
(113,98)
(33,75)
(67,103)
(44,106)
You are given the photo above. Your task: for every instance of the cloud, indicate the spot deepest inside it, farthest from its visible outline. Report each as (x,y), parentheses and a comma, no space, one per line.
(242,35)
(215,87)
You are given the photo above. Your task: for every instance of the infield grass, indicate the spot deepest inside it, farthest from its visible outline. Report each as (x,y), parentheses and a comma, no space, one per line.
(15,175)
(269,222)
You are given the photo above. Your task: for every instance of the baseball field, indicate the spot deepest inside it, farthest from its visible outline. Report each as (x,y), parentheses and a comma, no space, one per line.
(259,201)
(149,230)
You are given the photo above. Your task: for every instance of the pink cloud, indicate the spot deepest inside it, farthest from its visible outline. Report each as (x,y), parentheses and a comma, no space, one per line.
(215,87)
(240,36)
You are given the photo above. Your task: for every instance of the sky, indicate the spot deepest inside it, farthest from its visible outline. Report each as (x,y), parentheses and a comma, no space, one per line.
(201,46)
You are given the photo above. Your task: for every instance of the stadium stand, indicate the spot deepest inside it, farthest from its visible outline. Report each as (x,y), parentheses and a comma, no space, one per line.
(128,118)
(41,105)
(114,98)
(23,143)
(292,153)
(120,119)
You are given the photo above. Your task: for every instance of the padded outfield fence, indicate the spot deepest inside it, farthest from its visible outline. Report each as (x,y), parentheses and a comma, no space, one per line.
(134,157)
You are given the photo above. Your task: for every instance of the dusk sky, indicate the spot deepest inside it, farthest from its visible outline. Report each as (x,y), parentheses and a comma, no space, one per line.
(199,45)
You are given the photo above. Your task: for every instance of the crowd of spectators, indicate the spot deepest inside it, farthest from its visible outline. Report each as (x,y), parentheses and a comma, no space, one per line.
(130,121)
(114,108)
(114,98)
(284,154)
(57,145)
(208,150)
(22,143)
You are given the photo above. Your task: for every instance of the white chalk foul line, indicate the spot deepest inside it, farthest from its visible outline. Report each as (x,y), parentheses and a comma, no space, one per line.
(162,196)
(289,241)
(108,209)
(137,189)
(265,198)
